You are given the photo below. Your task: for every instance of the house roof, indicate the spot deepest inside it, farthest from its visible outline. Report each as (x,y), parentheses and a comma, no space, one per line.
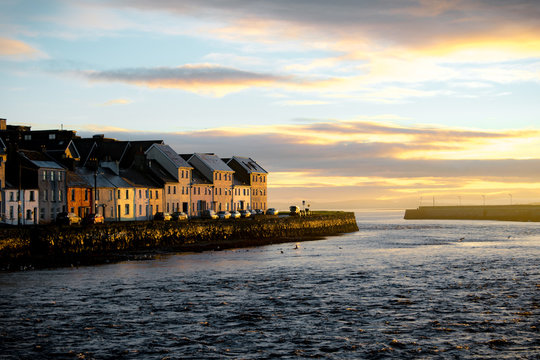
(249,164)
(73,179)
(197,178)
(133,148)
(160,172)
(213,162)
(176,159)
(39,159)
(105,178)
(138,178)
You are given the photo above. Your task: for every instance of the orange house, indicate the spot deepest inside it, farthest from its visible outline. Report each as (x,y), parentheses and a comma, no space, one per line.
(79,195)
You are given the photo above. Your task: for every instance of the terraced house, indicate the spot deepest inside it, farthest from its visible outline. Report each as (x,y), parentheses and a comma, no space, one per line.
(175,175)
(249,172)
(221,176)
(45,172)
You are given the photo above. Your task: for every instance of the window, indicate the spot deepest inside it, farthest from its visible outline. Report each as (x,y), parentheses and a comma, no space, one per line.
(42,214)
(32,197)
(119,195)
(157,208)
(199,191)
(60,197)
(168,189)
(110,196)
(86,194)
(168,207)
(72,194)
(53,195)
(140,194)
(59,176)
(174,189)
(127,209)
(127,194)
(27,137)
(72,210)
(11,196)
(52,175)
(44,175)
(219,176)
(11,212)
(140,209)
(147,193)
(150,194)
(52,136)
(157,195)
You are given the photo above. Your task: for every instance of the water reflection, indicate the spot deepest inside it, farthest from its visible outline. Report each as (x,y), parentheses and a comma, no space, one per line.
(395,289)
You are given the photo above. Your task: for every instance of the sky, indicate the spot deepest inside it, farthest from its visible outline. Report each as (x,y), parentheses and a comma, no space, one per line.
(346,103)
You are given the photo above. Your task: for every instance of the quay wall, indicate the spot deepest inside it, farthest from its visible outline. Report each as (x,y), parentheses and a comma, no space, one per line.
(492,212)
(61,245)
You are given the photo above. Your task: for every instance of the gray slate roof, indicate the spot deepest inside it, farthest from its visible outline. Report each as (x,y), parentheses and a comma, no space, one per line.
(249,164)
(213,162)
(173,156)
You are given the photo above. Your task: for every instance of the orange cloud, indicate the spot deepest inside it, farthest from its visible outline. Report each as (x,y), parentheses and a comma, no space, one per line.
(17,49)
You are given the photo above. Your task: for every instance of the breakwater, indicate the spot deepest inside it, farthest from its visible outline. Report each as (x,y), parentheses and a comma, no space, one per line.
(44,246)
(492,212)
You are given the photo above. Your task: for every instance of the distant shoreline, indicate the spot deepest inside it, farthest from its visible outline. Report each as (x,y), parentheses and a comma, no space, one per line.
(522,213)
(54,246)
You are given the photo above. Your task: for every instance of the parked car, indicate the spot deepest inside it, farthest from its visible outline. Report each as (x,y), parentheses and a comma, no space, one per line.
(209,214)
(179,216)
(65,218)
(235,215)
(162,216)
(259,212)
(224,215)
(272,211)
(294,211)
(245,213)
(93,219)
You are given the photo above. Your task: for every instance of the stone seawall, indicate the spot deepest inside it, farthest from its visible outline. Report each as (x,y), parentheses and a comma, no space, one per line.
(57,246)
(493,212)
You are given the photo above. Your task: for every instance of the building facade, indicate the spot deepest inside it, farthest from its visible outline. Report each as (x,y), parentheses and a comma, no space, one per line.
(221,176)
(21,206)
(249,172)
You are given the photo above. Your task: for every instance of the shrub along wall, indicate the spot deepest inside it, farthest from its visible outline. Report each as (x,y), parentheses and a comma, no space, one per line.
(56,245)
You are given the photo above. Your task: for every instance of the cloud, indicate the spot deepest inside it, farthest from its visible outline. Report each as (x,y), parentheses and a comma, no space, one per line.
(200,78)
(117,102)
(361,163)
(18,50)
(303,102)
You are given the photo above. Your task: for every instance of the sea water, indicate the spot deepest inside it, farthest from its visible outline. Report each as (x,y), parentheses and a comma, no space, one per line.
(395,289)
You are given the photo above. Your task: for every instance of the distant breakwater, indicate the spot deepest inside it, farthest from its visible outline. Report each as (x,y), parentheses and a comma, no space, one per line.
(49,246)
(491,212)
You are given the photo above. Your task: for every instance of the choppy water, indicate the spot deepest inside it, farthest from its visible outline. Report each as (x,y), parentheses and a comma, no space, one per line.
(396,289)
